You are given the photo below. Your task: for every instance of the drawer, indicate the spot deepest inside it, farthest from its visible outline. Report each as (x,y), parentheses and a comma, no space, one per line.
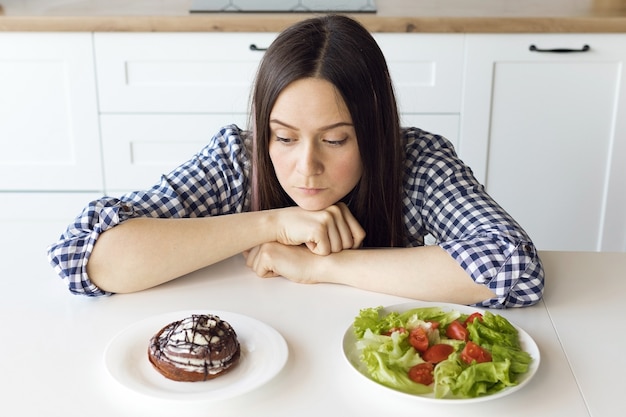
(177,72)
(214,72)
(138,149)
(426,69)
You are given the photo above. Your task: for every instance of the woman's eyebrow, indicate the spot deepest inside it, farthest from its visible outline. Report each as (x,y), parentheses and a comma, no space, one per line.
(283,124)
(321,129)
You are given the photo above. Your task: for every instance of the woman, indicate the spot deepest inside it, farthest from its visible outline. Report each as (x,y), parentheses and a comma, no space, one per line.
(325,188)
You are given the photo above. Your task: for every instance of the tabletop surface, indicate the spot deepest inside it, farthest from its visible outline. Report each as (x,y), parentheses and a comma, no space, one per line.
(54,343)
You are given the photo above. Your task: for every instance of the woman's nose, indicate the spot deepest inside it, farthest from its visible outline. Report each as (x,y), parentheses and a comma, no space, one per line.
(309,161)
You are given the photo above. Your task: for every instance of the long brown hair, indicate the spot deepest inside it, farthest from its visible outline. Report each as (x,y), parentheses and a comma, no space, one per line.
(337,49)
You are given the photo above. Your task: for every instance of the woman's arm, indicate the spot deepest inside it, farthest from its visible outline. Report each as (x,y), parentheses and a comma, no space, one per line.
(213,182)
(426,273)
(143,252)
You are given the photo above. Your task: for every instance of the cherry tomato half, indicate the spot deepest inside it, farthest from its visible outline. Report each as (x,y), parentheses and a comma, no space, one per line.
(472,317)
(456,330)
(418,338)
(422,373)
(437,353)
(473,352)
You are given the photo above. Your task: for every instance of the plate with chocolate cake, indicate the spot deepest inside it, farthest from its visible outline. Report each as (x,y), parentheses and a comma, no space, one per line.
(196,355)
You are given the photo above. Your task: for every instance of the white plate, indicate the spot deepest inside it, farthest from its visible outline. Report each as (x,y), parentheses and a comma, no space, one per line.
(263,354)
(528,344)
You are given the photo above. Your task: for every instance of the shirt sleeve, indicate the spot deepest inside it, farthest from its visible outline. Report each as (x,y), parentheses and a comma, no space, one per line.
(213,182)
(468,224)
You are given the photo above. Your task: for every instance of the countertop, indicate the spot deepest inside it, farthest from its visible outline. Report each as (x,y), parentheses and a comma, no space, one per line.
(431,16)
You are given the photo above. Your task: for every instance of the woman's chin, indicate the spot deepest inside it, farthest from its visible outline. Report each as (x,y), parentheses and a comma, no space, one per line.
(310,205)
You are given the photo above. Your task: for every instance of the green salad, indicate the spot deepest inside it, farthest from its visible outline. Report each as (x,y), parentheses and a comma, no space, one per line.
(431,350)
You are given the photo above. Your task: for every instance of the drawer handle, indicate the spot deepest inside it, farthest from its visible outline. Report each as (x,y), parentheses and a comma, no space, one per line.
(253,47)
(585,48)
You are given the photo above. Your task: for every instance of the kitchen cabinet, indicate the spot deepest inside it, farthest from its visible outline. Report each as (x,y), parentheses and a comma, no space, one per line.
(49,137)
(162,95)
(546,133)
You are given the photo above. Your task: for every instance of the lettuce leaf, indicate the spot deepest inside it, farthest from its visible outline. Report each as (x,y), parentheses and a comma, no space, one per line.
(392,377)
(370,318)
(520,359)
(429,314)
(493,330)
(482,379)
(446,374)
(388,359)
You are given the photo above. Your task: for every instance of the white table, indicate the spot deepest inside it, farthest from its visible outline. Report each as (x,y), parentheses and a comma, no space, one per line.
(585,300)
(51,354)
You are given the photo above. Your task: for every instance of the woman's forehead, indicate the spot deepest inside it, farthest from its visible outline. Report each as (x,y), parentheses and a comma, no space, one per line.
(310,99)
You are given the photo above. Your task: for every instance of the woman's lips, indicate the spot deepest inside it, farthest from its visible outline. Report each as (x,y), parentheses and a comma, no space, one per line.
(310,190)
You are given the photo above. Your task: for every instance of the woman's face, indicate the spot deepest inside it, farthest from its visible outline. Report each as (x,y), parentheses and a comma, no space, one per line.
(313,145)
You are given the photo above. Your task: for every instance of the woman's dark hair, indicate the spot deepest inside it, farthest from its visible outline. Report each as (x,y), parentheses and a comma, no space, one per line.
(339,50)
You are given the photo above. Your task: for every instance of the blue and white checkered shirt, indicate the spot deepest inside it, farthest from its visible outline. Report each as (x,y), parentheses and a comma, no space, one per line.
(441,198)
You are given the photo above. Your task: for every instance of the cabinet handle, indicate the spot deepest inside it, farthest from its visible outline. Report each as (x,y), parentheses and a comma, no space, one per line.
(585,48)
(253,47)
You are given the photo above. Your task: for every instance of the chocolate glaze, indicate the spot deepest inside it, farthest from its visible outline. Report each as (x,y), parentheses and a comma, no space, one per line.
(196,348)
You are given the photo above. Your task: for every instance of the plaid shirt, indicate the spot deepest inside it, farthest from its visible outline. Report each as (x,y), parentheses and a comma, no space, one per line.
(441,199)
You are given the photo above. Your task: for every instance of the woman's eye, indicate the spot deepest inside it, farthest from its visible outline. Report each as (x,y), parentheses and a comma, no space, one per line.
(283,140)
(335,142)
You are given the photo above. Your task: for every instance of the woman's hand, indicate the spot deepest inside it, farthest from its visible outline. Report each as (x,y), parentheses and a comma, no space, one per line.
(323,232)
(302,236)
(275,259)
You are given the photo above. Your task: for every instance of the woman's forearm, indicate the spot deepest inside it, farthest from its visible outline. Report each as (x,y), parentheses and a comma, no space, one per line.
(143,252)
(426,273)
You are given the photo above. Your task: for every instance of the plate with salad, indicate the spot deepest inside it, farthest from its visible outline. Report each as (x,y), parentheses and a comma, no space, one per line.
(441,352)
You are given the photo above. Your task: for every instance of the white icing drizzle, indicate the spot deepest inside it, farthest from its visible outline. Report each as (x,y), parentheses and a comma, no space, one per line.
(199,343)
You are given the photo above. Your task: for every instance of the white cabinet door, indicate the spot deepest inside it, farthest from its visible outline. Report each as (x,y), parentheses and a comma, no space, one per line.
(427,73)
(139,148)
(545,131)
(426,69)
(177,72)
(49,137)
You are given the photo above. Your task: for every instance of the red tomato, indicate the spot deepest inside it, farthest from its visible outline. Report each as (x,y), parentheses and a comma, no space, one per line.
(394,329)
(437,353)
(473,317)
(418,338)
(456,330)
(422,373)
(473,352)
